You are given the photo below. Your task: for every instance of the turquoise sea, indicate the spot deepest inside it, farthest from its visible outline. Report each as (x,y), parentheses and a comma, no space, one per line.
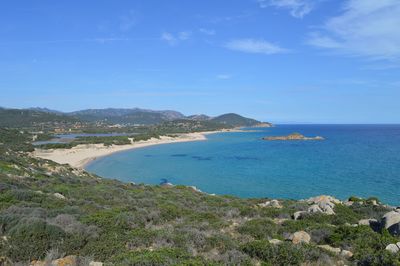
(361,160)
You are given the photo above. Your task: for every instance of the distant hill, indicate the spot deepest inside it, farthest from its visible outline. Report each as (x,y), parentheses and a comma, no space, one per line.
(25,118)
(45,110)
(127,116)
(235,120)
(200,117)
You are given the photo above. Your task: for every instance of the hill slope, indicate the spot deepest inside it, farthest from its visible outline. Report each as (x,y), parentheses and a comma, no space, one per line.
(235,120)
(17,118)
(127,116)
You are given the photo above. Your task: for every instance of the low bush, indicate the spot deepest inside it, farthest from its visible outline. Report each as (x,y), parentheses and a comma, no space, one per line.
(259,228)
(282,254)
(31,238)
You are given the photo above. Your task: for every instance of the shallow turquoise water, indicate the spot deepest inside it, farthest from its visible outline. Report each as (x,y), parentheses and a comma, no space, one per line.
(362,160)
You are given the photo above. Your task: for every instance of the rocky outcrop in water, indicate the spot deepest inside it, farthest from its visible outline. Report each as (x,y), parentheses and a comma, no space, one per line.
(293,136)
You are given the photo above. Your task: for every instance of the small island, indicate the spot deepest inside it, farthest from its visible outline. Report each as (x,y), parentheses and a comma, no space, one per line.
(293,136)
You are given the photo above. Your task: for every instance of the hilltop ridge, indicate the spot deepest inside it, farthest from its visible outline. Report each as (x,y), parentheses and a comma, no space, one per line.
(112,116)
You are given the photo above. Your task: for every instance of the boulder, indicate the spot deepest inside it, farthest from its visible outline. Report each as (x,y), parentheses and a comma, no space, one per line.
(66,261)
(59,196)
(301,237)
(348,203)
(328,210)
(325,204)
(314,209)
(330,249)
(299,215)
(275,241)
(272,203)
(391,221)
(367,222)
(347,254)
(392,248)
(95,263)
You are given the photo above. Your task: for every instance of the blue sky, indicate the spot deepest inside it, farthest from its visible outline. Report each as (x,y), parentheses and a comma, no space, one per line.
(321,61)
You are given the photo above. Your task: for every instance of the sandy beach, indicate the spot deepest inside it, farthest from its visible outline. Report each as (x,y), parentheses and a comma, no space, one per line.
(81,155)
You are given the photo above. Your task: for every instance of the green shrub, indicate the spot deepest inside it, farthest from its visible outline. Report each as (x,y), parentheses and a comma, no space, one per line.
(282,254)
(31,238)
(368,246)
(259,228)
(165,256)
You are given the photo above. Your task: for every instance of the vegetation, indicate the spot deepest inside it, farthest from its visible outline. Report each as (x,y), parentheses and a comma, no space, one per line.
(235,120)
(48,209)
(25,118)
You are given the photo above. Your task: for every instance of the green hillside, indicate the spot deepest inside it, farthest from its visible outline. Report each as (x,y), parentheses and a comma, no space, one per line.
(19,118)
(235,120)
(127,116)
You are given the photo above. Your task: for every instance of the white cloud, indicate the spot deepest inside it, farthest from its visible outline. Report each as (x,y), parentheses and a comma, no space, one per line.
(169,38)
(207,31)
(297,8)
(224,76)
(184,35)
(255,46)
(368,28)
(174,39)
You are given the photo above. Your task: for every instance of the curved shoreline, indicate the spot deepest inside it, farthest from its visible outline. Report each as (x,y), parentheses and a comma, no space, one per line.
(81,155)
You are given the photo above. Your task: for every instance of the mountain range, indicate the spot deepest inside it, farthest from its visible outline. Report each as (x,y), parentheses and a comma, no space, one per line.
(126,116)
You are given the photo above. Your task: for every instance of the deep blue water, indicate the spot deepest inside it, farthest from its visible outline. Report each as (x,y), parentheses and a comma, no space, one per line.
(362,160)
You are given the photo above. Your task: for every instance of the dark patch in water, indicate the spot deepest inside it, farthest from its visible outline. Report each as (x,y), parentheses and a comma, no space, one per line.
(201,158)
(242,158)
(179,155)
(164,181)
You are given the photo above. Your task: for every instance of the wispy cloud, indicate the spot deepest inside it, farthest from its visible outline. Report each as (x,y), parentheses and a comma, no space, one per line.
(297,8)
(255,46)
(364,28)
(174,39)
(207,31)
(224,76)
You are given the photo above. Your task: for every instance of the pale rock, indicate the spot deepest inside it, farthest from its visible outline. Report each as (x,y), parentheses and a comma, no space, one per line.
(66,261)
(392,248)
(271,203)
(348,203)
(346,253)
(314,209)
(95,263)
(301,237)
(391,221)
(59,196)
(299,215)
(330,248)
(373,202)
(275,241)
(367,221)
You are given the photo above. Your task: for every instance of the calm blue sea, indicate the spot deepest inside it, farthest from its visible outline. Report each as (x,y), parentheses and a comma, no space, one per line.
(361,160)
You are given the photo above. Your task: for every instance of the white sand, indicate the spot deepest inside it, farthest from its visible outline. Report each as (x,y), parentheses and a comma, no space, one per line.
(81,155)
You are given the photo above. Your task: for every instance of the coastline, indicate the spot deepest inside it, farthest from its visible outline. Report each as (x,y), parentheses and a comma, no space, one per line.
(81,155)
